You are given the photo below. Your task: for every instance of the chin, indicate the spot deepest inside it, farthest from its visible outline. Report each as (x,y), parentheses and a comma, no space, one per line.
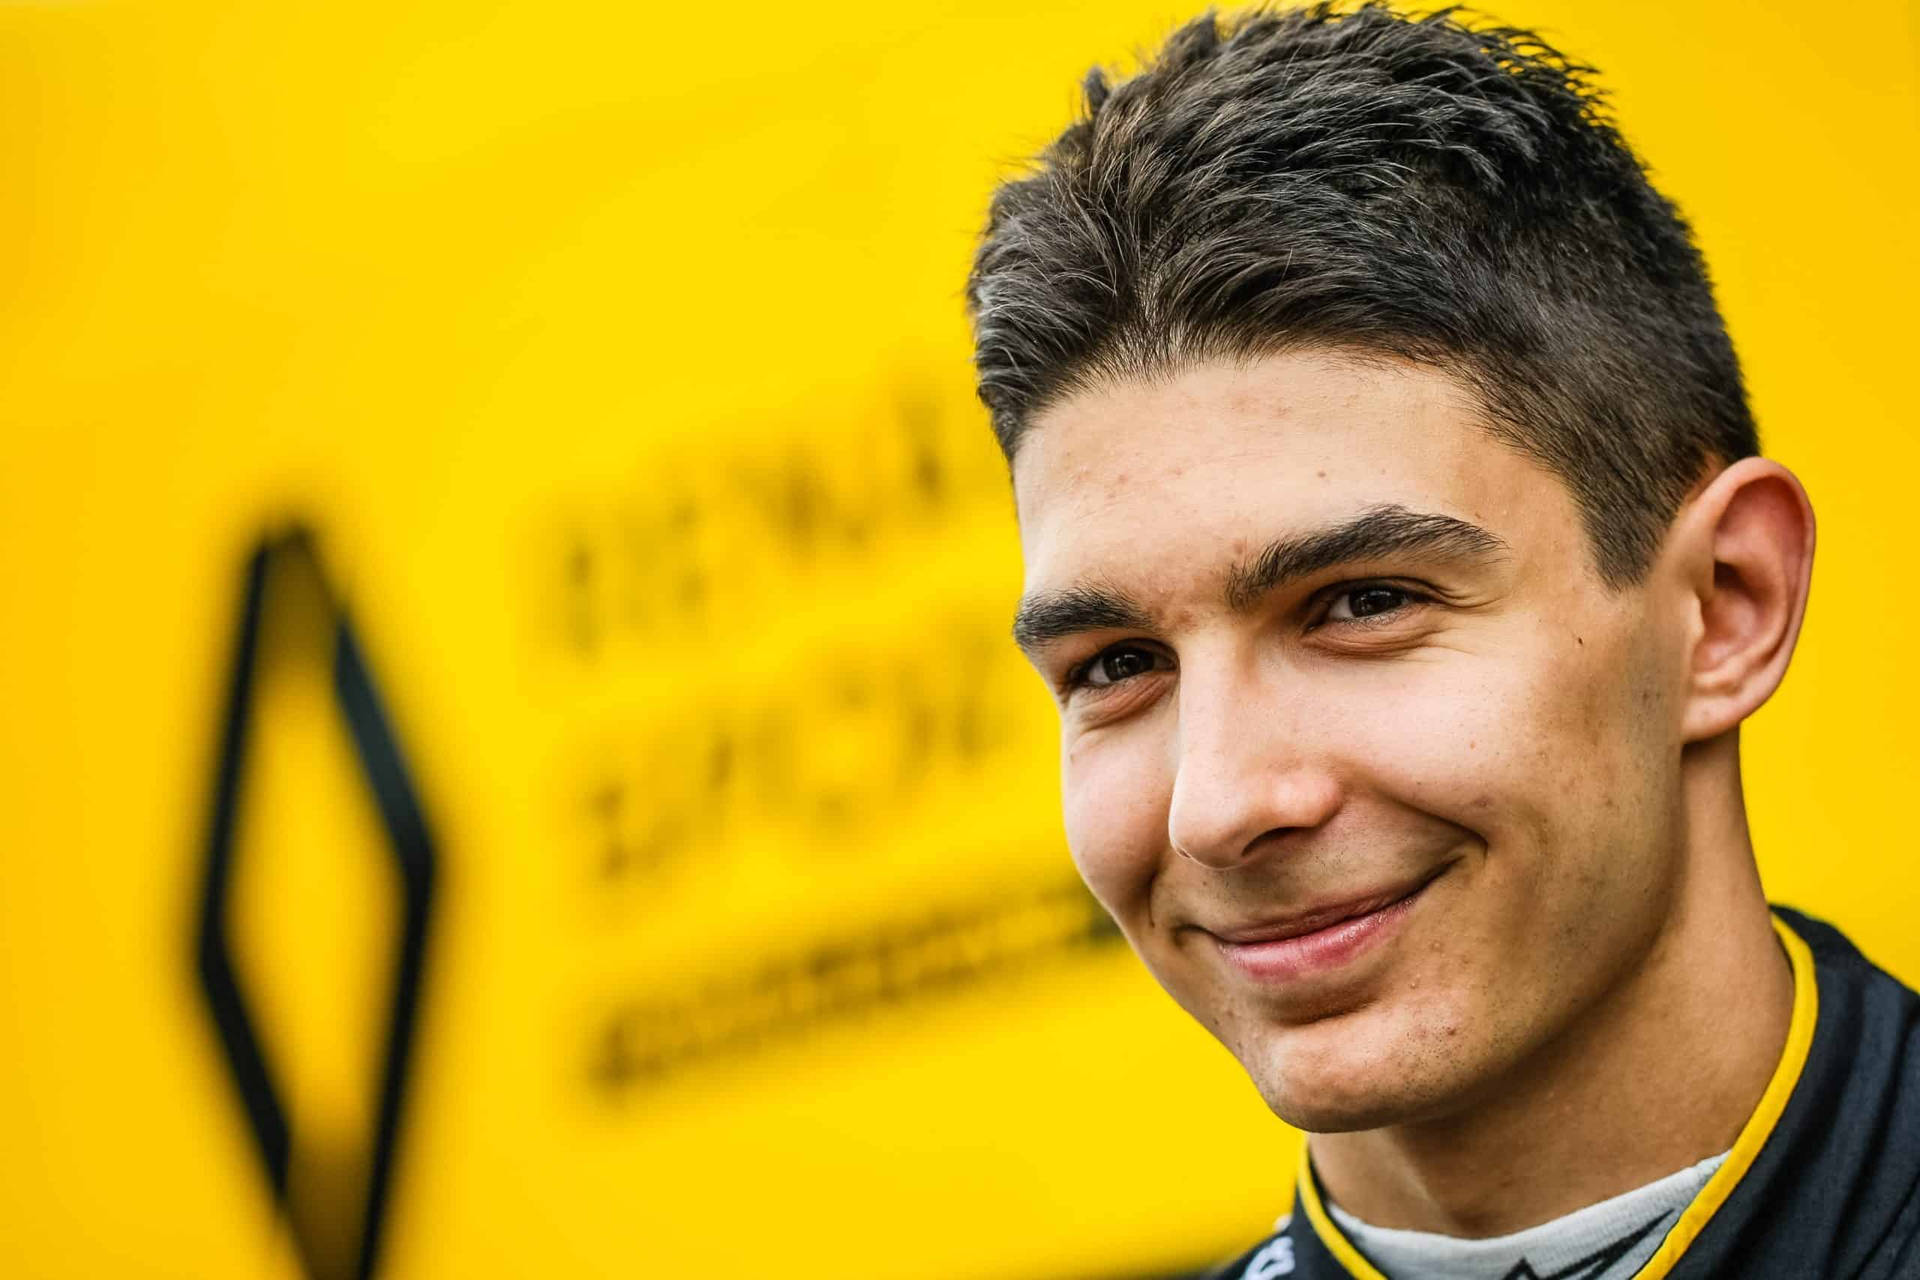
(1329,1077)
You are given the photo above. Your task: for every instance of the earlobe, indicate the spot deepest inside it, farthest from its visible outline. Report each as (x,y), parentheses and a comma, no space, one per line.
(1754,526)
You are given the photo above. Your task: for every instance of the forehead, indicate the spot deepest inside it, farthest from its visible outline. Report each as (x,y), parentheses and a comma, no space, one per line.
(1131,477)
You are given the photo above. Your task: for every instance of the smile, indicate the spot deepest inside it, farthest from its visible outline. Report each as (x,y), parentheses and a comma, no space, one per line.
(1321,941)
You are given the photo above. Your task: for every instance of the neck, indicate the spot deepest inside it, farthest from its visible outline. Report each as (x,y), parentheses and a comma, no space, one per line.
(1659,1075)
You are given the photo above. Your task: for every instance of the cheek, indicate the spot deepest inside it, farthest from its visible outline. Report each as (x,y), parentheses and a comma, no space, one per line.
(1549,759)
(1115,790)
(1463,744)
(1509,745)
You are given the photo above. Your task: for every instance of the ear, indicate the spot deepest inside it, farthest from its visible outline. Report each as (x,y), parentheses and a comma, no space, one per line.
(1748,546)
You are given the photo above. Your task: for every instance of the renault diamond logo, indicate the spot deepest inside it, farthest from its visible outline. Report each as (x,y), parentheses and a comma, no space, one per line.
(332,1245)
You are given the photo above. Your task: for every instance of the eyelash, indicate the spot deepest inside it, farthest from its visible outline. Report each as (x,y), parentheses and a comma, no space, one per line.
(1410,596)
(1076,678)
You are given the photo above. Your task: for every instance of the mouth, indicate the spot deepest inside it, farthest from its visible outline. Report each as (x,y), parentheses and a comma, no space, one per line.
(1320,941)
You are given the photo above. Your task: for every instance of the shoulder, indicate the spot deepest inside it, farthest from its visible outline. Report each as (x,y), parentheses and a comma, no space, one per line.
(1839,1180)
(1858,999)
(1864,1069)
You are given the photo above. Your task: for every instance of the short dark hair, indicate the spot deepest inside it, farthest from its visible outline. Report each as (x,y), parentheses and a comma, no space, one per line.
(1360,178)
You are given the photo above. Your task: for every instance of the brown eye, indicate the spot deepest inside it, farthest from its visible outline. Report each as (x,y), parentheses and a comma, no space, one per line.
(1116,665)
(1366,602)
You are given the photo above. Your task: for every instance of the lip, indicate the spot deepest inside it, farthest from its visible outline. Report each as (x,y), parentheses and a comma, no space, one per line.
(1318,942)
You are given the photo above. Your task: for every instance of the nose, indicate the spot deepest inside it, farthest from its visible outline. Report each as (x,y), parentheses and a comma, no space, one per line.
(1247,770)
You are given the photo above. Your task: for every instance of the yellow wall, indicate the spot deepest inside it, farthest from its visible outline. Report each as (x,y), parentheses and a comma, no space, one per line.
(616,360)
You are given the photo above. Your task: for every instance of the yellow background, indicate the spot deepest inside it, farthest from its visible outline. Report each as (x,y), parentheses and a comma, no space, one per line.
(616,357)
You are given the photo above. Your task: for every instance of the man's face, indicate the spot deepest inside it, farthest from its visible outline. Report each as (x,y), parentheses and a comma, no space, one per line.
(1377,777)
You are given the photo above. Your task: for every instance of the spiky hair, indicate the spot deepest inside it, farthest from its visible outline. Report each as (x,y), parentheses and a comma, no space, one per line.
(1356,177)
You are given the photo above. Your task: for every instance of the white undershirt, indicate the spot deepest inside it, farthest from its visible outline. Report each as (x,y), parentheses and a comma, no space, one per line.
(1573,1247)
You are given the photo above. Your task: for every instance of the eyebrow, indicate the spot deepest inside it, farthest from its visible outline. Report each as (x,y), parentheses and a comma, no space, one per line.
(1375,532)
(1046,616)
(1054,615)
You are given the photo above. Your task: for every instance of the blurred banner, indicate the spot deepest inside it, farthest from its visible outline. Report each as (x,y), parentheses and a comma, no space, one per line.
(512,762)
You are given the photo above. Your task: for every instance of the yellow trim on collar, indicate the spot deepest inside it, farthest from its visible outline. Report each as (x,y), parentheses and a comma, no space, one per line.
(1759,1126)
(1323,1226)
(1693,1220)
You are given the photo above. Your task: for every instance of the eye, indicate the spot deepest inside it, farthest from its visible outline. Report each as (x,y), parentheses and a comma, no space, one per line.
(1111,666)
(1369,600)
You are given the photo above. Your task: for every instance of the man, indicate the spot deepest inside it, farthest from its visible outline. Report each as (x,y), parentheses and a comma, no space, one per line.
(1400,554)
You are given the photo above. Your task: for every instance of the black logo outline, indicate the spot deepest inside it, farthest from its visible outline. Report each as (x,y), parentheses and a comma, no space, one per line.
(384,770)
